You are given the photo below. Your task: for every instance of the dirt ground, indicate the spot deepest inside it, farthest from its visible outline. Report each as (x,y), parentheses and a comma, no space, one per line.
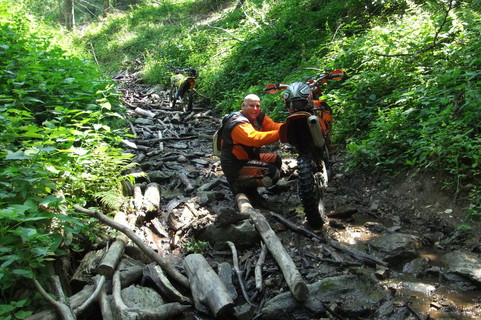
(415,200)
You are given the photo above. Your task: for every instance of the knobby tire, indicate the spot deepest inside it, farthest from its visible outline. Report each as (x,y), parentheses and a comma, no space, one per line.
(187,101)
(310,191)
(173,97)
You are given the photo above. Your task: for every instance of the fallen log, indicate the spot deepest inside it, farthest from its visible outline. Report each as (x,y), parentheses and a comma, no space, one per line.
(224,270)
(185,180)
(207,288)
(161,144)
(156,276)
(145,113)
(151,199)
(112,257)
(292,276)
(168,268)
(138,196)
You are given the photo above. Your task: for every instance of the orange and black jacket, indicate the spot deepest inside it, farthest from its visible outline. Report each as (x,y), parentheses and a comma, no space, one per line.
(243,139)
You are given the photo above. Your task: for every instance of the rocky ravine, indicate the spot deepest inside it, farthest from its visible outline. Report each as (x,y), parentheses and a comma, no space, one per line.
(389,249)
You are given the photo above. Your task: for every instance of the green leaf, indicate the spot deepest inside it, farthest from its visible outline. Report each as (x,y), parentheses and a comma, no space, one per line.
(6,308)
(18,155)
(24,273)
(23,314)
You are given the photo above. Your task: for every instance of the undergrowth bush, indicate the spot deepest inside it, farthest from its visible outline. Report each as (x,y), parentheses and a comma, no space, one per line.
(60,123)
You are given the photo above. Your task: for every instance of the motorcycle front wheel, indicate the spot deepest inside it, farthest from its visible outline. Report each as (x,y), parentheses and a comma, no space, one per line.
(187,101)
(310,188)
(173,97)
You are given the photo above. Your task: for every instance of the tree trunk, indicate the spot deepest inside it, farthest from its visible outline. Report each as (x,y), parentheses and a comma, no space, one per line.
(69,14)
(106,7)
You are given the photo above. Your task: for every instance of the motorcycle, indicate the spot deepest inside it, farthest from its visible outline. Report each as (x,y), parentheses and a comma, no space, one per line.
(307,129)
(181,84)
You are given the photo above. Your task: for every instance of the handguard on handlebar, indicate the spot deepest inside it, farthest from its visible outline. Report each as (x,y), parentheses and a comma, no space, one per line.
(337,74)
(275,87)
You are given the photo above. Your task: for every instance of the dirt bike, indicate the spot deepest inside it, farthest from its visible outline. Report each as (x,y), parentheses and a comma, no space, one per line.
(308,129)
(181,84)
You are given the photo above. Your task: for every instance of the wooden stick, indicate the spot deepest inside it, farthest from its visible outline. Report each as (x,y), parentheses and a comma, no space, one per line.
(63,309)
(145,113)
(156,275)
(149,141)
(258,268)
(360,256)
(75,301)
(238,271)
(294,280)
(104,303)
(119,305)
(168,268)
(99,285)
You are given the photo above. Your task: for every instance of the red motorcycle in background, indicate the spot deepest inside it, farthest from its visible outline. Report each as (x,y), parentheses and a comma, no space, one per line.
(181,84)
(308,129)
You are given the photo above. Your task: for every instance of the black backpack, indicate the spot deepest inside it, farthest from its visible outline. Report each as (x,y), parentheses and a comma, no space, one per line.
(217,137)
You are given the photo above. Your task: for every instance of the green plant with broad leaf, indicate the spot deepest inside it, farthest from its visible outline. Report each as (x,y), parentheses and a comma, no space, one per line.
(61,125)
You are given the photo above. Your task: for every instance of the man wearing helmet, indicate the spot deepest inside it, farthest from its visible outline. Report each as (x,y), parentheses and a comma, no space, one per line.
(245,132)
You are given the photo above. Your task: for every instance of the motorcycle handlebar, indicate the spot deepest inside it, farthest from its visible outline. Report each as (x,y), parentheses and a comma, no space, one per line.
(179,70)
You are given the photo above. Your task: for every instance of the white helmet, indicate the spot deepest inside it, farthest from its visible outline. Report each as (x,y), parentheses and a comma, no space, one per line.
(297,95)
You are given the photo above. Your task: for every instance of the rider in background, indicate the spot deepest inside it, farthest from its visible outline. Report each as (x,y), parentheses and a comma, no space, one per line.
(244,166)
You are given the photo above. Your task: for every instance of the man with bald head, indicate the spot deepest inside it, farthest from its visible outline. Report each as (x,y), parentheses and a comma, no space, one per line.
(246,131)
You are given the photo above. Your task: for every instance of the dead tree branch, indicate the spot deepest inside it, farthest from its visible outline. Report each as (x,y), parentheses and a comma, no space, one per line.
(238,271)
(168,268)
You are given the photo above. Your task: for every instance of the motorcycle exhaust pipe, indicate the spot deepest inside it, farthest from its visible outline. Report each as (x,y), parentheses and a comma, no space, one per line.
(316,131)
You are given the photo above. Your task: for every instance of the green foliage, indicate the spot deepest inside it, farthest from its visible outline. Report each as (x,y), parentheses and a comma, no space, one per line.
(196,246)
(60,124)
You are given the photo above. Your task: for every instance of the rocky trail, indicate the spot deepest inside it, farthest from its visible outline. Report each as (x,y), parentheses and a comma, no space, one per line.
(188,249)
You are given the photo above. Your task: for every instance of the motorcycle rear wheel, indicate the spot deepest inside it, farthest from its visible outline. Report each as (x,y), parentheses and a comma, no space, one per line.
(187,102)
(310,188)
(173,97)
